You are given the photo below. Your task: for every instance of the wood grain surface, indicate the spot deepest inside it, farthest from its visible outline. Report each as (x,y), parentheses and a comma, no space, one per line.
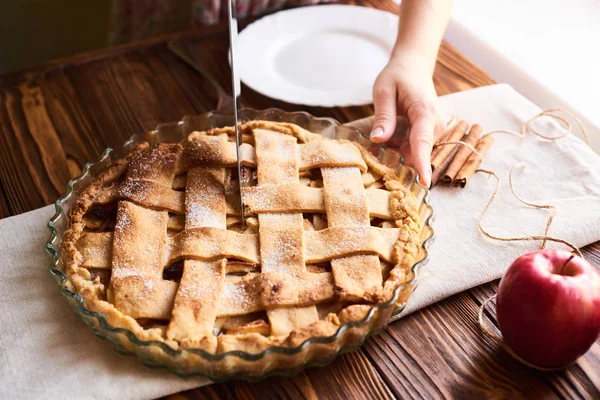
(55,118)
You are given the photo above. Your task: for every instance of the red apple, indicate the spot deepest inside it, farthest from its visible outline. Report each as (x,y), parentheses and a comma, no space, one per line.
(548,307)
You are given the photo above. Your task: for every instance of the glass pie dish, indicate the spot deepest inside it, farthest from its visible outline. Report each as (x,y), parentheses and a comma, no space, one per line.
(276,360)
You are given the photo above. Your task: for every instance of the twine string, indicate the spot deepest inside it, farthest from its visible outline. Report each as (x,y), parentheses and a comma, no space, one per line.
(538,206)
(461,143)
(516,238)
(488,331)
(552,113)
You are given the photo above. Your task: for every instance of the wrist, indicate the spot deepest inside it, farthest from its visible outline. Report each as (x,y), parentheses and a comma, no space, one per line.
(413,60)
(420,31)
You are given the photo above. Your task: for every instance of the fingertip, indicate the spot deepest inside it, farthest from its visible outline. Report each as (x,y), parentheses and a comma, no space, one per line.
(379,135)
(376,133)
(423,166)
(382,130)
(426,176)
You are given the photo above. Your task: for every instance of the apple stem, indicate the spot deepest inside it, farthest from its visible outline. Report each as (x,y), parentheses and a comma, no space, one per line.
(567,263)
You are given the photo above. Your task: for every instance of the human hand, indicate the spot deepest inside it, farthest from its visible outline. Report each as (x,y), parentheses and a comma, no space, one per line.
(405,88)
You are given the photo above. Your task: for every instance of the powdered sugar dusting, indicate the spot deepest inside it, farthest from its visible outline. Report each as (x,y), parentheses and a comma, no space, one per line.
(281,242)
(279,261)
(138,241)
(259,197)
(205,199)
(235,294)
(95,256)
(133,189)
(329,153)
(156,164)
(123,223)
(200,285)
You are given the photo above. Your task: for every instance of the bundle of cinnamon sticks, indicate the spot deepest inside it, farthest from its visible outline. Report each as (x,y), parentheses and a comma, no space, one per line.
(453,163)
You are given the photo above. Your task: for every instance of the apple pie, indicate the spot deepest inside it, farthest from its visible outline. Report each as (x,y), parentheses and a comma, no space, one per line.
(157,246)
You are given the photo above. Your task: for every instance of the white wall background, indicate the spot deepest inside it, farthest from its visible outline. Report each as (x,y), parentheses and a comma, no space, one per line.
(548,50)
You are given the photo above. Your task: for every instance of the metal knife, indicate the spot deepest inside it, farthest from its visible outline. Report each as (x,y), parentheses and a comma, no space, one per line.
(236,89)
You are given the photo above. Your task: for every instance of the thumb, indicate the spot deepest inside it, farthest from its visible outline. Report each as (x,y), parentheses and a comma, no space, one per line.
(384,100)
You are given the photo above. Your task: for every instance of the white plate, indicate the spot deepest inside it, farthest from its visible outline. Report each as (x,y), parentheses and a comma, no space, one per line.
(327,55)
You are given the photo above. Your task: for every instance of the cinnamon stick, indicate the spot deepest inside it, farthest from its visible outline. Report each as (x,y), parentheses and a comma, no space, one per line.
(454,136)
(449,127)
(472,163)
(463,154)
(439,171)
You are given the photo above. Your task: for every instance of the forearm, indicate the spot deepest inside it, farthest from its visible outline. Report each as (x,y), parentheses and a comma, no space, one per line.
(422,24)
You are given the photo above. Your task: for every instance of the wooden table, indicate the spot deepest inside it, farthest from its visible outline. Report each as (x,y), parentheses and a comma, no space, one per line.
(55,118)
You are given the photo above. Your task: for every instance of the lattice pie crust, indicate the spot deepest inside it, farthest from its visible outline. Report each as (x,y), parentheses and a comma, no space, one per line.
(156,243)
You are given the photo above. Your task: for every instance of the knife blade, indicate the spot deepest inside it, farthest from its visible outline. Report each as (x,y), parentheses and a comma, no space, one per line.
(236,89)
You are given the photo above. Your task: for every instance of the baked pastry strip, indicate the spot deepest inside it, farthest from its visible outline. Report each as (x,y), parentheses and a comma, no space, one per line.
(217,149)
(139,242)
(281,235)
(194,312)
(298,197)
(356,277)
(207,243)
(274,198)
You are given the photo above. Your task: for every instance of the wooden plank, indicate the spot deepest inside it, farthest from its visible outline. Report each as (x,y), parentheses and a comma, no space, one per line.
(24,179)
(80,140)
(103,100)
(351,376)
(39,131)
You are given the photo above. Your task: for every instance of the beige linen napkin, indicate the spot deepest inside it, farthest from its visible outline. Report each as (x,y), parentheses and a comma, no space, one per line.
(47,352)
